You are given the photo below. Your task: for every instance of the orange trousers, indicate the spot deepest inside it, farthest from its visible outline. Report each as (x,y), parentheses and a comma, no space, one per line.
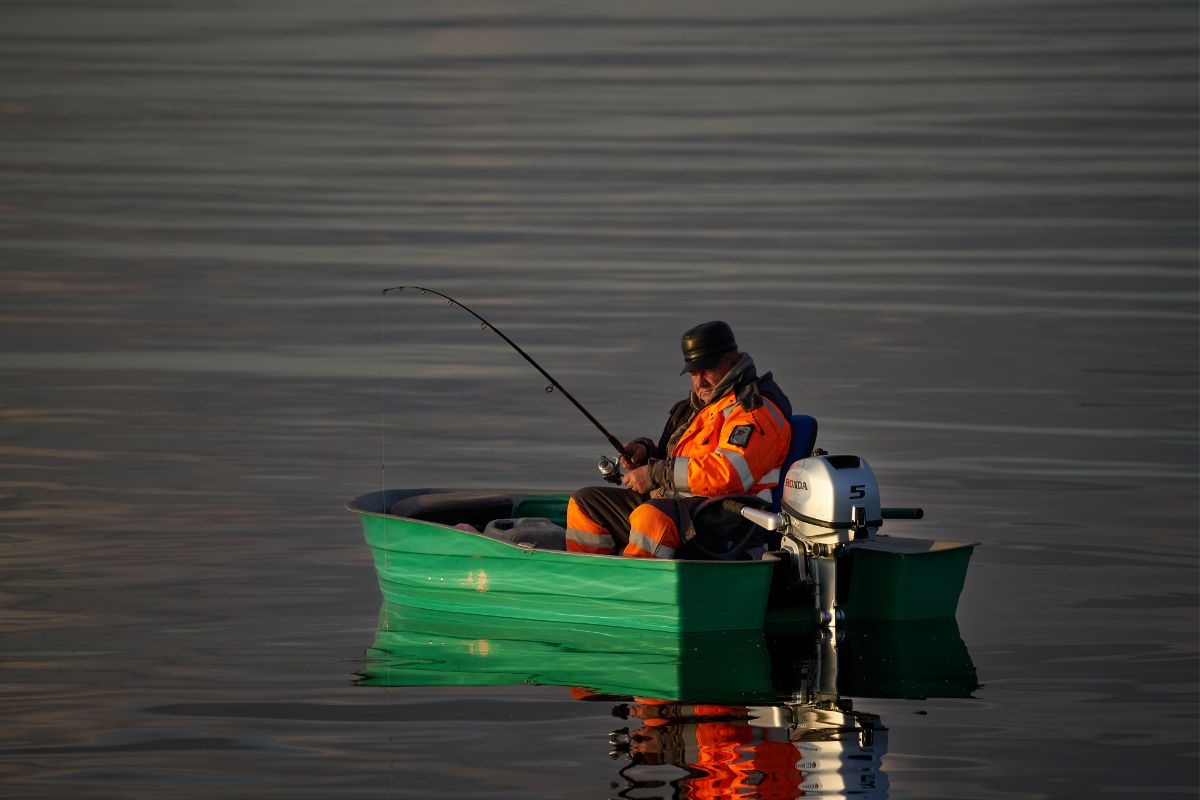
(608,520)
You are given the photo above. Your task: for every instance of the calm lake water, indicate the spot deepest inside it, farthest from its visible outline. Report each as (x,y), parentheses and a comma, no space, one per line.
(963,235)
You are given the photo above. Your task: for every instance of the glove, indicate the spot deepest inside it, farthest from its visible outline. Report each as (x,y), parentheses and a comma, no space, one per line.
(637,453)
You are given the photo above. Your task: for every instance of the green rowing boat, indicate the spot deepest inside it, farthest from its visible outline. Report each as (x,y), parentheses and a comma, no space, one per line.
(501,554)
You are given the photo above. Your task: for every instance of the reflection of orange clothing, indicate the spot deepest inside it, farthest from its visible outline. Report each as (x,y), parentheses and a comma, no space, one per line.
(727,756)
(737,760)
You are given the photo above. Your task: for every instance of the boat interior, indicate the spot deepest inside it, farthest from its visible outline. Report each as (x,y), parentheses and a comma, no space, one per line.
(536,519)
(517,518)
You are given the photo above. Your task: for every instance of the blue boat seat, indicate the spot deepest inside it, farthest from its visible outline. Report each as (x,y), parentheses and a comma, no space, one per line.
(804,438)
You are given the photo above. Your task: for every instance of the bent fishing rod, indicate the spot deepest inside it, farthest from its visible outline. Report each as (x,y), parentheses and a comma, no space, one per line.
(613,440)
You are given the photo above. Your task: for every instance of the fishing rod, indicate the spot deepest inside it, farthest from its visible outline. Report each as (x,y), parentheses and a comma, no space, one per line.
(613,440)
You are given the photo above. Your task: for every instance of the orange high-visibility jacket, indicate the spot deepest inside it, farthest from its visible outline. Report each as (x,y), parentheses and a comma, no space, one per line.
(729,450)
(733,445)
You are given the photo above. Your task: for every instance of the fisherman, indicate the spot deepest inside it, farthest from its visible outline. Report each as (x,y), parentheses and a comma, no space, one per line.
(728,437)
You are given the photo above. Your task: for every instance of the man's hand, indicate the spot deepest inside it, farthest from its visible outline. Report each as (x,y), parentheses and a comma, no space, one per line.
(635,455)
(638,480)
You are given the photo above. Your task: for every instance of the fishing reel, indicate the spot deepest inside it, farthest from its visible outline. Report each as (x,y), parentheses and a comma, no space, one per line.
(610,470)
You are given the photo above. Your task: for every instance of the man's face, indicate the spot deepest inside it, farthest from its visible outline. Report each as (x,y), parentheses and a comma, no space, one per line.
(705,380)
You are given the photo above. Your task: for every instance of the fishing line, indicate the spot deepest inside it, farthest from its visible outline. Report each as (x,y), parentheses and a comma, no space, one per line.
(485,325)
(382,409)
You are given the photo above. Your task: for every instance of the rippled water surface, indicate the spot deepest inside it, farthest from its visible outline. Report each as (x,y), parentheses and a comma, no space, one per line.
(963,235)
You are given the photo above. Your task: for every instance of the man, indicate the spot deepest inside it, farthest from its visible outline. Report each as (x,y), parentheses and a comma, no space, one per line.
(729,436)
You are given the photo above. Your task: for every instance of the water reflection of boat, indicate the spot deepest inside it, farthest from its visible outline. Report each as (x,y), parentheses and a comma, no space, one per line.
(914,660)
(735,713)
(414,647)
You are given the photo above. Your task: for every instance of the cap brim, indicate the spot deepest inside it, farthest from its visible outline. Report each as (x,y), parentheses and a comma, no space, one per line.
(702,363)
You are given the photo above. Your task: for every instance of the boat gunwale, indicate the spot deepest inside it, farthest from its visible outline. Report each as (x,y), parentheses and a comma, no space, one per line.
(903,545)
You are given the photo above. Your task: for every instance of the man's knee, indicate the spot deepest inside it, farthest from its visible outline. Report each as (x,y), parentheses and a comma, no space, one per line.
(653,532)
(584,534)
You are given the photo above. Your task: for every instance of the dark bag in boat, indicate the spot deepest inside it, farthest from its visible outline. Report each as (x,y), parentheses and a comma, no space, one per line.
(455,508)
(537,531)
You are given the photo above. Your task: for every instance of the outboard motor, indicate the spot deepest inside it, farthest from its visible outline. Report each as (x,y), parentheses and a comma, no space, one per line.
(831,500)
(831,557)
(828,502)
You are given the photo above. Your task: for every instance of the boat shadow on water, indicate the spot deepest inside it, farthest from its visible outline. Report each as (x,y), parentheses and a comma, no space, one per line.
(747,713)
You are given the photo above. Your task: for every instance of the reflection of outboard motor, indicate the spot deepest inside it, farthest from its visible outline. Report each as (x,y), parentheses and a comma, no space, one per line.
(830,500)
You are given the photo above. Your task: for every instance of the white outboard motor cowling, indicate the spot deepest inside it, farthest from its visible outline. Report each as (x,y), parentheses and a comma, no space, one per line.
(830,500)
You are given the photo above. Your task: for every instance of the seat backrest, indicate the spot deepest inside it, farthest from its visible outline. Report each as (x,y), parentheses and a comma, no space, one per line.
(804,437)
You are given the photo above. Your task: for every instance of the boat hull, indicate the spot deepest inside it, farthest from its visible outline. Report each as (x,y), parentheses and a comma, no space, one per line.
(442,568)
(895,578)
